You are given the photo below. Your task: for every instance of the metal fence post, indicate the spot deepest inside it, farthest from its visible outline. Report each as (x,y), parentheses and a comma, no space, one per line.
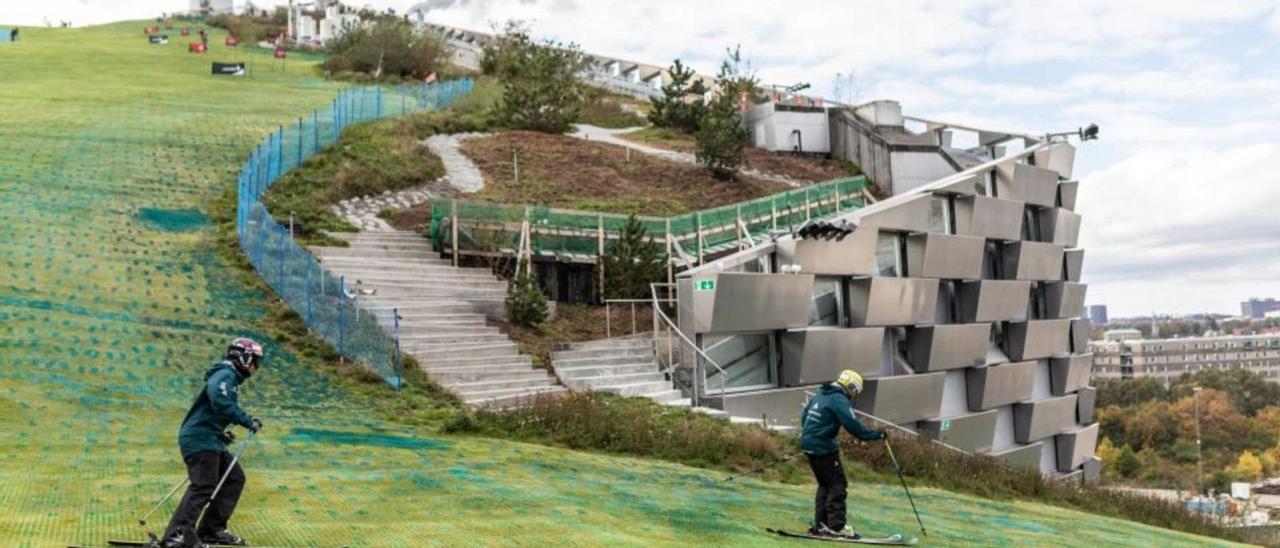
(395,315)
(310,267)
(279,152)
(671,269)
(600,251)
(283,232)
(342,316)
(698,226)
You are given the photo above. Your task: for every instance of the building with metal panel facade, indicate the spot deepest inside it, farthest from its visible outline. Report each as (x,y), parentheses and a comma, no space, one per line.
(1167,359)
(959,302)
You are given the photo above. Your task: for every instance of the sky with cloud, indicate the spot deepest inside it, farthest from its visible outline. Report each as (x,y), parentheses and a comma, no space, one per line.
(1181,194)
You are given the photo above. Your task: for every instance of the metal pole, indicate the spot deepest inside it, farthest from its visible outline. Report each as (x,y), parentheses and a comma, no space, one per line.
(600,252)
(608,319)
(453,227)
(143,520)
(698,226)
(1195,394)
(342,316)
(230,467)
(395,314)
(633,317)
(282,286)
(765,467)
(310,267)
(671,269)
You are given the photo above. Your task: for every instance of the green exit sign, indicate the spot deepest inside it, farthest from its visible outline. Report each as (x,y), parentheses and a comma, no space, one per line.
(705,285)
(946,425)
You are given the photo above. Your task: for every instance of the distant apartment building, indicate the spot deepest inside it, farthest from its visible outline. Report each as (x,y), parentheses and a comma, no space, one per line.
(1098,314)
(316,23)
(1258,308)
(1167,359)
(1125,334)
(213,7)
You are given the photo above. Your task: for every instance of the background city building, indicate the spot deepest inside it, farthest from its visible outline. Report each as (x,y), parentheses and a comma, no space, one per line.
(1098,315)
(1258,308)
(1166,359)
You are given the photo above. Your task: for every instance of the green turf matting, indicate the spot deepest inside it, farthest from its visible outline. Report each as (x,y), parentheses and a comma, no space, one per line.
(112,305)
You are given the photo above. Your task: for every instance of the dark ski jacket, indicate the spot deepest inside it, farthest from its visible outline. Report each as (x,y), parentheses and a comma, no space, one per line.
(215,408)
(822,418)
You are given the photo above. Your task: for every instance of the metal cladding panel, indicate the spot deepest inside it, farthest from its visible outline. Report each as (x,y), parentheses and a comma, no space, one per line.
(1022,456)
(994,300)
(1092,469)
(969,186)
(973,433)
(1033,261)
(884,301)
(942,347)
(1076,446)
(1060,157)
(910,215)
(996,385)
(987,217)
(1065,299)
(1080,335)
(946,256)
(903,398)
(855,255)
(1027,183)
(818,354)
(1041,419)
(694,306)
(760,302)
(1036,339)
(1074,263)
(778,407)
(1067,191)
(1061,226)
(1086,398)
(1069,374)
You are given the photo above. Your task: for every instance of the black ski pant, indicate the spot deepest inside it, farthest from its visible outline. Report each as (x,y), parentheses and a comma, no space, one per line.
(829,502)
(205,469)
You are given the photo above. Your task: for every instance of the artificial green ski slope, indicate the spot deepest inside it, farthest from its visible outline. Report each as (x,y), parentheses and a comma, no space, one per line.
(112,305)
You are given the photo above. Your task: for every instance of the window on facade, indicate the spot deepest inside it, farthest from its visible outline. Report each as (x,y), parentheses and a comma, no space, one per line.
(889,254)
(940,215)
(1030,225)
(826,305)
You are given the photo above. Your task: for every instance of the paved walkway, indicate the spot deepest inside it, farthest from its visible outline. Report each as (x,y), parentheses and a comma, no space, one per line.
(611,136)
(462,173)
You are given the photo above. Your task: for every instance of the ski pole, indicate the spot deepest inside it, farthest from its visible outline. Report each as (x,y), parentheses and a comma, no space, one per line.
(244,444)
(765,467)
(898,469)
(143,521)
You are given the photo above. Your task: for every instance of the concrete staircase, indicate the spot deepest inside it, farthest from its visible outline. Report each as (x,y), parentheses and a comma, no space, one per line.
(624,366)
(442,315)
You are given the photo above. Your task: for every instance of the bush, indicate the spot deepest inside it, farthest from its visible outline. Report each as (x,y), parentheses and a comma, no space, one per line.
(632,263)
(540,86)
(387,48)
(526,305)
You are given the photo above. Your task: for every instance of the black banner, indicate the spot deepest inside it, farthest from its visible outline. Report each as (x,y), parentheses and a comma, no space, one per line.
(229,69)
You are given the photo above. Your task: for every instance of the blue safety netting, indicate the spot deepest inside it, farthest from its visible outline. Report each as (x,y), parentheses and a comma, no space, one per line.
(324,301)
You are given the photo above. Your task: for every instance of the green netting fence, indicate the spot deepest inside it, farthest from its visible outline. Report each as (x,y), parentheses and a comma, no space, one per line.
(484,228)
(323,300)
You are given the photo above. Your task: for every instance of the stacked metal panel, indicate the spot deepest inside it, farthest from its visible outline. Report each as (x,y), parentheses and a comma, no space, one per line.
(961,305)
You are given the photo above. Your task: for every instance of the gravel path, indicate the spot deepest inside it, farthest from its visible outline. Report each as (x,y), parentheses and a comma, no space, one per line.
(605,135)
(460,173)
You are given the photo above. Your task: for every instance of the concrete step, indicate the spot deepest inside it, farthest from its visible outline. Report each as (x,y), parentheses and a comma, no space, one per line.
(452,376)
(408,269)
(601,370)
(461,293)
(637,388)
(451,338)
(678,402)
(379,236)
(463,332)
(439,326)
(710,411)
(511,398)
(600,353)
(385,284)
(612,343)
(499,383)
(744,420)
(596,382)
(427,264)
(671,397)
(569,363)
(426,306)
(366,253)
(431,351)
(519,360)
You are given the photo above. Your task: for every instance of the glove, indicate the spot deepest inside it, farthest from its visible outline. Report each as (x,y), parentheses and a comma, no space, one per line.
(227,438)
(255,426)
(883,434)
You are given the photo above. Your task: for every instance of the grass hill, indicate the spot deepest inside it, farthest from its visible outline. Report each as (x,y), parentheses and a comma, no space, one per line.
(114,298)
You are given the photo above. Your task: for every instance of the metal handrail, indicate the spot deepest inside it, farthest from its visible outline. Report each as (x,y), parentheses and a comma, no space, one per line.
(671,327)
(608,316)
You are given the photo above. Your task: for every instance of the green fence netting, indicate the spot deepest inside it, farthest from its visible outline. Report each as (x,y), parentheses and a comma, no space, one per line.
(484,227)
(323,301)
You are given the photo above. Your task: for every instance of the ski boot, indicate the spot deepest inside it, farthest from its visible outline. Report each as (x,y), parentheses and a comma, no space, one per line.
(844,532)
(179,539)
(223,538)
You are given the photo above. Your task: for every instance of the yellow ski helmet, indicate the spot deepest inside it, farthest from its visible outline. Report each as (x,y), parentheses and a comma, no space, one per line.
(851,381)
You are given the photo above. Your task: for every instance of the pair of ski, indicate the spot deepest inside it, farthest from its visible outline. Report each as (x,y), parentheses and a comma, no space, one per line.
(891,540)
(114,543)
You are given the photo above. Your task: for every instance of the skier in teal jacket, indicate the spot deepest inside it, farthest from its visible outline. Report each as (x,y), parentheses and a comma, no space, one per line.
(823,416)
(203,441)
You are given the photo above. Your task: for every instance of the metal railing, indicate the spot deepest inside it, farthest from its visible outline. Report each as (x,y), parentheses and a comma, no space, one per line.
(608,314)
(663,324)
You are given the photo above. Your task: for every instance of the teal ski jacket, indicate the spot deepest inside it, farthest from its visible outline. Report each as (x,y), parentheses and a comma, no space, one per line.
(822,418)
(216,408)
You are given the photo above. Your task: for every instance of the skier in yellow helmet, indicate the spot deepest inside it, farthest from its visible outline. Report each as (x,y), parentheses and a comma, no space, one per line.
(824,414)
